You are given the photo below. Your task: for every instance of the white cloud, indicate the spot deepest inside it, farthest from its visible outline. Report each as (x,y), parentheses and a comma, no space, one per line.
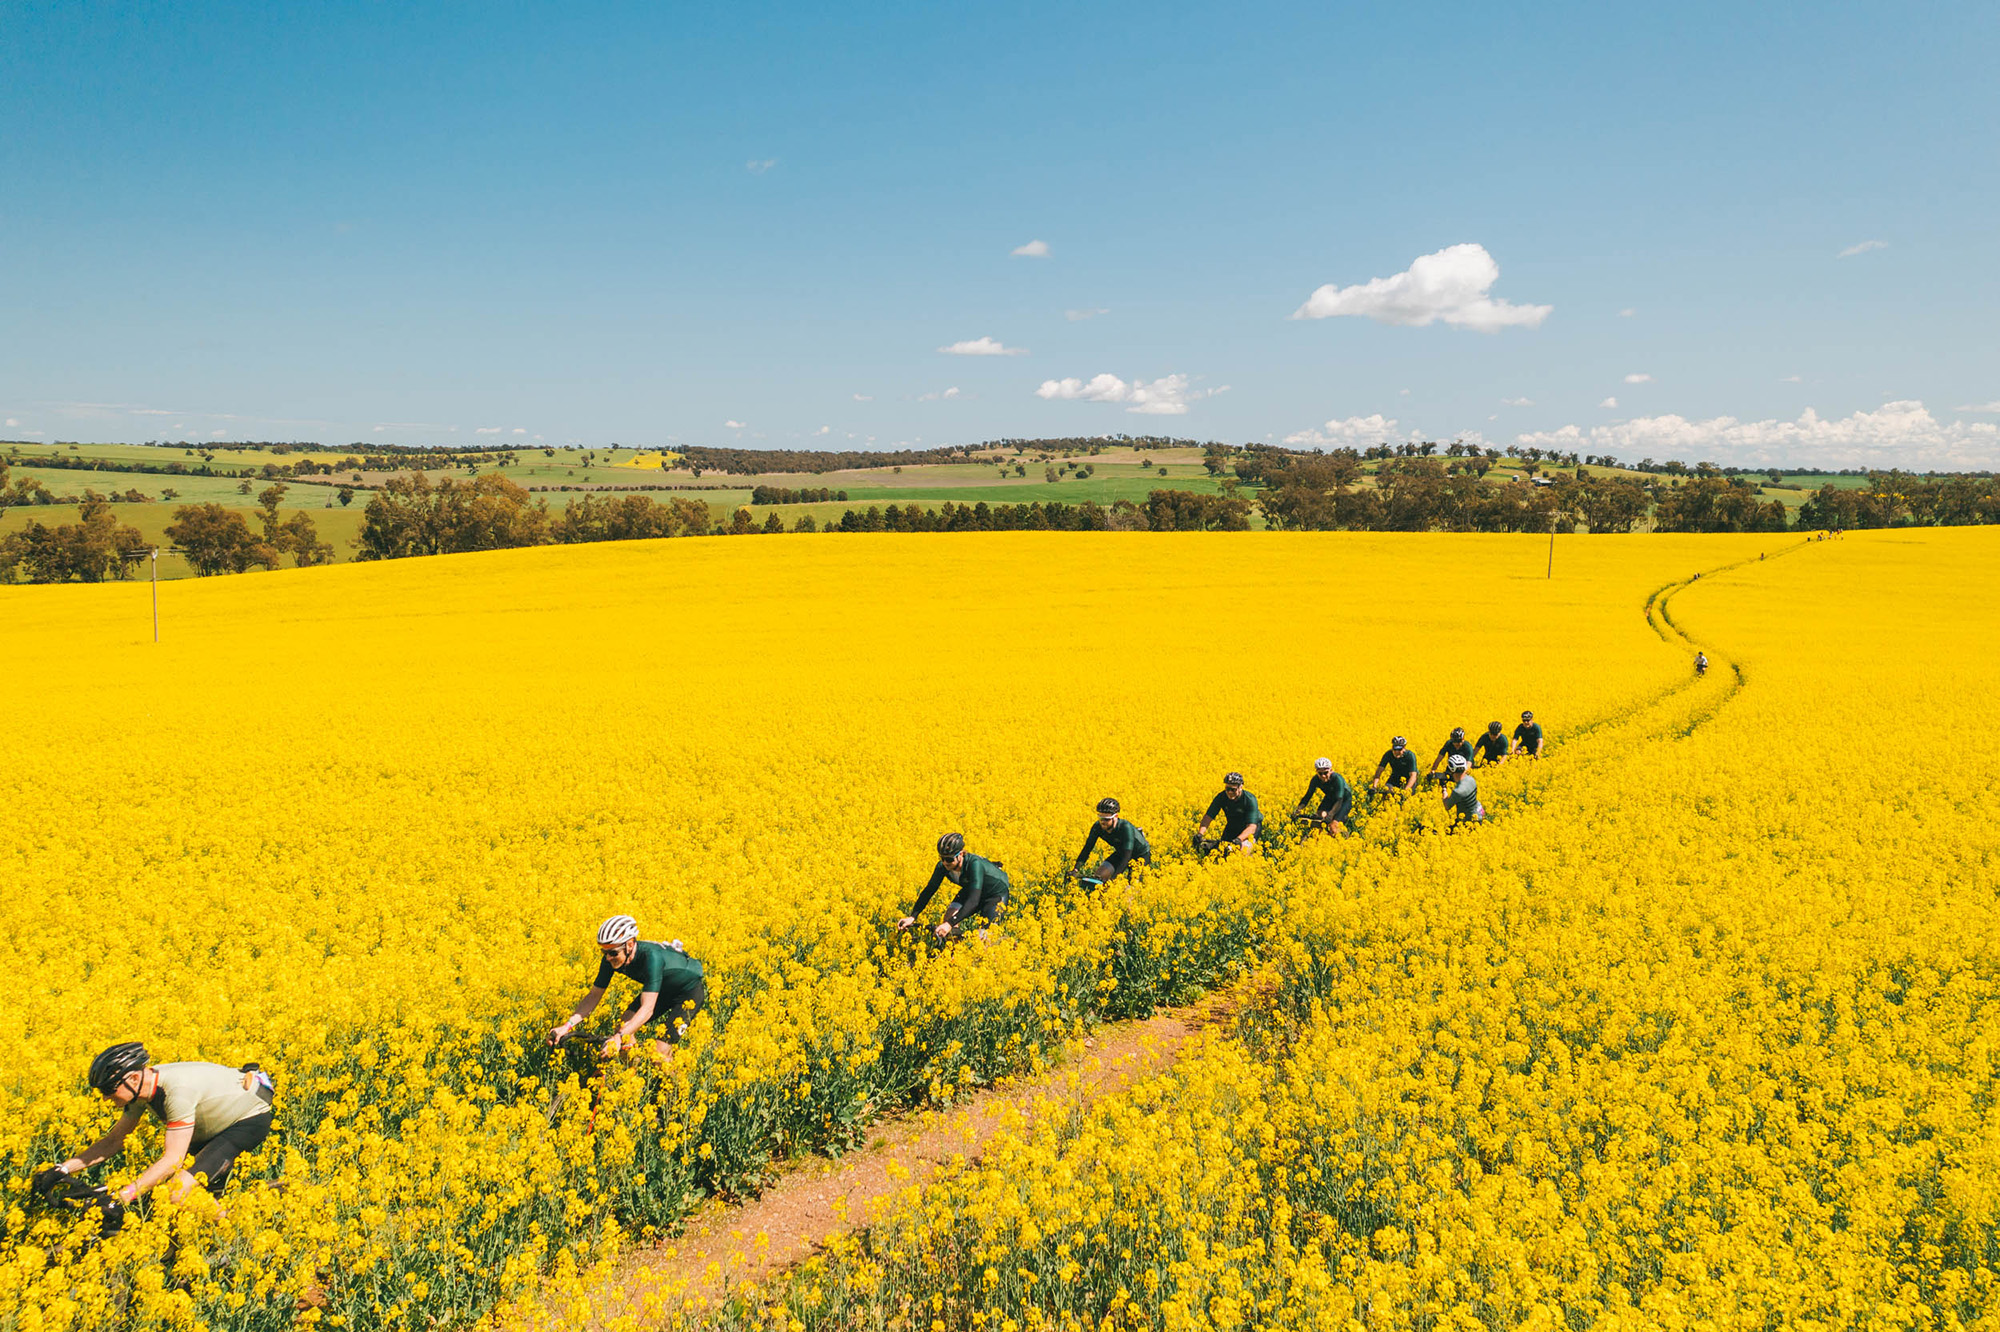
(864,397)
(1608,402)
(982,347)
(732,425)
(218,434)
(1167,396)
(519,431)
(1517,402)
(1450,285)
(1984,408)
(1034,249)
(488,430)
(1637,378)
(1899,434)
(1402,393)
(1863,248)
(1627,312)
(1078,316)
(1795,379)
(824,430)
(757,166)
(938,397)
(1349,432)
(11,423)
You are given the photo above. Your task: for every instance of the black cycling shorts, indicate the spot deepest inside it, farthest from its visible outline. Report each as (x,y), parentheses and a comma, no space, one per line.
(216,1158)
(672,1016)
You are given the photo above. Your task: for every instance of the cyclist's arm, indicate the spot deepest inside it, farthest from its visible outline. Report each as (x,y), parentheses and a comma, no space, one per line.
(584,1008)
(1376,780)
(107,1146)
(641,1014)
(1434,762)
(1209,817)
(930,891)
(1248,835)
(1088,842)
(174,1146)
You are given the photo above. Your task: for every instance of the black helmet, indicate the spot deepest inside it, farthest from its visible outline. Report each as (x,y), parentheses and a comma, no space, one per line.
(110,1067)
(1232,779)
(1397,742)
(1495,727)
(1458,733)
(1108,805)
(950,845)
(1527,716)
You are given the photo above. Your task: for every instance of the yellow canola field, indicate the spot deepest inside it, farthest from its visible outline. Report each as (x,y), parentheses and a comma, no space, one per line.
(1699,1034)
(360,822)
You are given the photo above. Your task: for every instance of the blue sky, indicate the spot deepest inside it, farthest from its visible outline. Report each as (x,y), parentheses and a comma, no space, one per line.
(1759,233)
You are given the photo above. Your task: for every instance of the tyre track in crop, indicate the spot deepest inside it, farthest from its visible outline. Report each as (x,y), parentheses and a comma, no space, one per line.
(726,1248)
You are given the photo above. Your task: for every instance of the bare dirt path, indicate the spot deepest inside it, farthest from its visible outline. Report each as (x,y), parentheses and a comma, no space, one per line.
(727,1246)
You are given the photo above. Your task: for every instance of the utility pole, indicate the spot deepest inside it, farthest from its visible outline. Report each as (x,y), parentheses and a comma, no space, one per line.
(1552,543)
(156,594)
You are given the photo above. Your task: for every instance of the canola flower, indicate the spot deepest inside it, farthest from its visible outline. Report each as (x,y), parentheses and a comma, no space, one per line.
(1700,1035)
(359,823)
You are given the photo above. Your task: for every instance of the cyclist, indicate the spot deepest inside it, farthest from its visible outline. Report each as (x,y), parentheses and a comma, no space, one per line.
(671,988)
(1241,817)
(1492,746)
(1701,663)
(1335,813)
(1125,841)
(982,888)
(210,1110)
(1456,747)
(1528,736)
(1462,799)
(1400,764)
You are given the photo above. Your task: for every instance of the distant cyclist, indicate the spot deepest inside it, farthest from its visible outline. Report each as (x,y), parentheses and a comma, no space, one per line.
(1455,747)
(1241,818)
(1335,810)
(1462,798)
(982,888)
(212,1111)
(1401,766)
(1701,663)
(1528,736)
(671,988)
(1125,841)
(1491,748)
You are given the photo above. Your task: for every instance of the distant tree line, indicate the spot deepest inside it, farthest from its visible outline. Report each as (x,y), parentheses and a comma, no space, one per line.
(781,495)
(1321,492)
(1163,511)
(90,550)
(1901,499)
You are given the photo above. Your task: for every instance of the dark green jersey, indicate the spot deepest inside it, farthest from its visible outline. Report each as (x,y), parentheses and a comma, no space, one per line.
(1402,766)
(1237,814)
(660,970)
(982,885)
(1332,791)
(1125,842)
(1452,749)
(1492,745)
(1530,736)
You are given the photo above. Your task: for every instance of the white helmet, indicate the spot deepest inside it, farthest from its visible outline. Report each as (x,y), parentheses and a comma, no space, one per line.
(1323,764)
(1456,763)
(617,930)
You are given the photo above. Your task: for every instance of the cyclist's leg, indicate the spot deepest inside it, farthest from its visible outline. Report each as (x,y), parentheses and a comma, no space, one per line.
(215,1159)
